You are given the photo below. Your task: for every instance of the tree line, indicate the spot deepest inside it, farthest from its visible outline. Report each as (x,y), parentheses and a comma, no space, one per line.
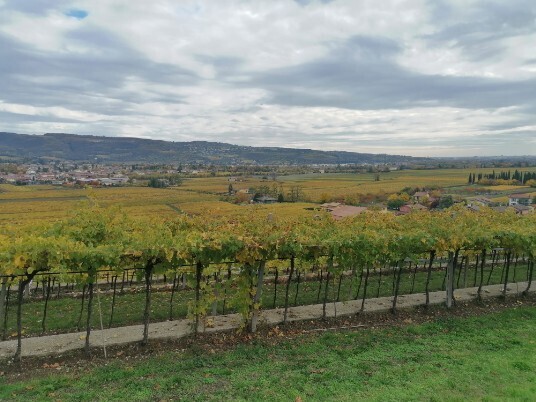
(517,177)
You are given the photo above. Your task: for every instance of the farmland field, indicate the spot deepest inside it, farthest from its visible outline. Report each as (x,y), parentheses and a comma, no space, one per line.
(46,205)
(314,186)
(36,203)
(20,204)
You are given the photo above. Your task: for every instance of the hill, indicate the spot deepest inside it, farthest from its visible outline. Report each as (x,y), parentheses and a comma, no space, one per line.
(129,150)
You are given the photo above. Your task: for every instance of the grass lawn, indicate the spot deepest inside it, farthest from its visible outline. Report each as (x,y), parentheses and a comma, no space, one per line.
(489,357)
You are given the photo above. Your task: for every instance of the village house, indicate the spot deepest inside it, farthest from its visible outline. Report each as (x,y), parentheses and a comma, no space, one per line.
(113,181)
(420,196)
(520,199)
(406,209)
(266,200)
(474,207)
(479,201)
(523,209)
(518,209)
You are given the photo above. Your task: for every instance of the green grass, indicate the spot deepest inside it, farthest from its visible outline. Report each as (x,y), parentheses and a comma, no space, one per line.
(491,357)
(63,312)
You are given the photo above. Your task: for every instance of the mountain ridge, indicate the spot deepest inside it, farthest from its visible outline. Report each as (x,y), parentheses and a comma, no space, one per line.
(74,147)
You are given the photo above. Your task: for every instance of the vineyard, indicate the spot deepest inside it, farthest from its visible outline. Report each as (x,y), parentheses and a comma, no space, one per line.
(28,204)
(203,196)
(141,269)
(316,186)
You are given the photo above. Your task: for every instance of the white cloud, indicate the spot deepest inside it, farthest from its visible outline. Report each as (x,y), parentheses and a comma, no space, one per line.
(58,112)
(45,32)
(198,70)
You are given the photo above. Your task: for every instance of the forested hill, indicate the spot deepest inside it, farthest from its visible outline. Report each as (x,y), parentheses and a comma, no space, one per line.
(117,149)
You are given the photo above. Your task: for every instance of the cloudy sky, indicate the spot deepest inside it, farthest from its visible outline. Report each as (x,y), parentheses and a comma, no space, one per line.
(427,78)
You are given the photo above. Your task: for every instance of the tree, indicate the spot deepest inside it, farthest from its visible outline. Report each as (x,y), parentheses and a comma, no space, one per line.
(4,259)
(446,202)
(100,231)
(29,254)
(325,197)
(241,198)
(395,201)
(158,183)
(471,179)
(352,199)
(149,248)
(295,194)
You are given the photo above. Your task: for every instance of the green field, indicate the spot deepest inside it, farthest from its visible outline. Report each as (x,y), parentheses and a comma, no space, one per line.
(491,357)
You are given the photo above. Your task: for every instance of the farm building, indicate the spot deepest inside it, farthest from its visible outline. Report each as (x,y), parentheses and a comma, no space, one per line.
(521,199)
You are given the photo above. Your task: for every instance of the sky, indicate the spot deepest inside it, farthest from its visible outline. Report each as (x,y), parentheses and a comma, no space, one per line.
(412,77)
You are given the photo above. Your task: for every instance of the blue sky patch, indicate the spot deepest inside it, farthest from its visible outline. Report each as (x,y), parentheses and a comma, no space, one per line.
(78,14)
